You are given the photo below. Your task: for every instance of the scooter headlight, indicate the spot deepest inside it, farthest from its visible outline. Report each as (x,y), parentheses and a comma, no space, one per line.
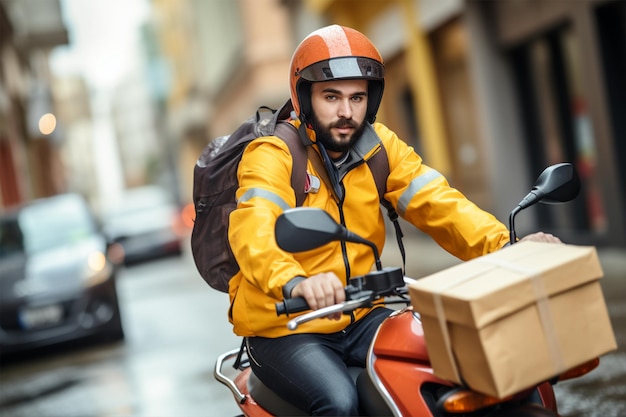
(467,401)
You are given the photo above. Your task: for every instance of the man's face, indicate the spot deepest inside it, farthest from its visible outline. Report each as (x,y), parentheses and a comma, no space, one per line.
(339,109)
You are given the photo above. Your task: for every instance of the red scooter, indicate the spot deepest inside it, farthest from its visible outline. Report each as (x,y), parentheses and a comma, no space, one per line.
(398,379)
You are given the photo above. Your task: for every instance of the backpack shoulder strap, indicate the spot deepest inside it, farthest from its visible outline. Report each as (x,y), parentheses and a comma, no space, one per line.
(379,166)
(288,133)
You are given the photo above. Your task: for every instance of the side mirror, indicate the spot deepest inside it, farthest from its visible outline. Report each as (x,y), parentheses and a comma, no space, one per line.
(557,184)
(304,228)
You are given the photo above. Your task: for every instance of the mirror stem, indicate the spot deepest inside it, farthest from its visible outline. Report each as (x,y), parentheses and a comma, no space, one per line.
(379,265)
(512,233)
(352,237)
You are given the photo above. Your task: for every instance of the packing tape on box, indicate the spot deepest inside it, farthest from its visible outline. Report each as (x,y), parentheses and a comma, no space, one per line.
(441,317)
(541,300)
(443,323)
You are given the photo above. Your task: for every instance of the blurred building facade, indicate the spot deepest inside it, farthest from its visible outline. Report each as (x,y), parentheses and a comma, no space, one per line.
(489,93)
(30,161)
(225,59)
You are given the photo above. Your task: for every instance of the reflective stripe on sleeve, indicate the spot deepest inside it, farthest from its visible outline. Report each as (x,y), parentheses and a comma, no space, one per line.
(416,185)
(268,195)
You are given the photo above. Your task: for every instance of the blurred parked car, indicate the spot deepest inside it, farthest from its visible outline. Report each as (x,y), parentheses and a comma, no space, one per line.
(145,224)
(56,283)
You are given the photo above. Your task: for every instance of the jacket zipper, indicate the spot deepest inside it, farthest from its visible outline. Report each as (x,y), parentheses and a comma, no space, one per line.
(344,249)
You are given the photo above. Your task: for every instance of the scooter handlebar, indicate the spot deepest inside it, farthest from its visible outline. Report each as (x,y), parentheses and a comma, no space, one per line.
(299,304)
(292,305)
(375,284)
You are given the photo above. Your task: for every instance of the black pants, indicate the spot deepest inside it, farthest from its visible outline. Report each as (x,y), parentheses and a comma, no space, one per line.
(310,370)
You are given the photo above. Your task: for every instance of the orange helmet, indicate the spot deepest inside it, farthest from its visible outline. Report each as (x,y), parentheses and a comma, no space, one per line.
(335,53)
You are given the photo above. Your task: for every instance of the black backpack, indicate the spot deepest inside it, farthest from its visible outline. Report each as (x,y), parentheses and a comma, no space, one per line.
(215,184)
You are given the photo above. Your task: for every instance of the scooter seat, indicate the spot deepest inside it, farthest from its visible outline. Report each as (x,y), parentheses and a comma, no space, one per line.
(274,404)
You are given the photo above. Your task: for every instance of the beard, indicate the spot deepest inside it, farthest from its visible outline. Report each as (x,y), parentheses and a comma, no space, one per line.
(324,135)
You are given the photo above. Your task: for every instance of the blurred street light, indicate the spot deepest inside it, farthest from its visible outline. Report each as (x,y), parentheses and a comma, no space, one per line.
(47,124)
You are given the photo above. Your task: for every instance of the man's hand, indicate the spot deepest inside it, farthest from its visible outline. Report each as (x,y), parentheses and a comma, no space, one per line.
(321,290)
(541,237)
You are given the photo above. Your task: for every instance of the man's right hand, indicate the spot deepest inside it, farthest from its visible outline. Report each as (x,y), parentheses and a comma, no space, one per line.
(321,290)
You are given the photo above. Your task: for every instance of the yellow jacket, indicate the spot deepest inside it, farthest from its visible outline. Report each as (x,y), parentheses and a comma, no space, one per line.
(420,195)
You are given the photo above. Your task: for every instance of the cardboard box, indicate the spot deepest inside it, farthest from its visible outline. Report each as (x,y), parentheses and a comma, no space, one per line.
(514,318)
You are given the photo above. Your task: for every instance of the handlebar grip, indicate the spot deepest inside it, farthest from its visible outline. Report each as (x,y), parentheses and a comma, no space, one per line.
(292,305)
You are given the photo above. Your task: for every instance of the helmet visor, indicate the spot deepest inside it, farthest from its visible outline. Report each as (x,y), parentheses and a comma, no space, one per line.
(343,68)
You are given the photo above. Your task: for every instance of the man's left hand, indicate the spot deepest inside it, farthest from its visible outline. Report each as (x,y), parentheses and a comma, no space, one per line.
(541,237)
